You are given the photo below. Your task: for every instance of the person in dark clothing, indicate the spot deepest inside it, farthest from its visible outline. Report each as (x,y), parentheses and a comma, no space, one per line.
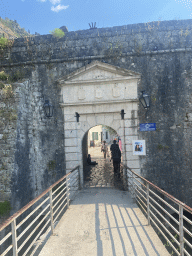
(116,157)
(89,160)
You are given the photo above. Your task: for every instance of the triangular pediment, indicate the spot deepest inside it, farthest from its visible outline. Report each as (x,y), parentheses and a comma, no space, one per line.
(96,72)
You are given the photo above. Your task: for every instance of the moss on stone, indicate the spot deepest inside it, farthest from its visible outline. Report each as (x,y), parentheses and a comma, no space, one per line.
(5,207)
(51,165)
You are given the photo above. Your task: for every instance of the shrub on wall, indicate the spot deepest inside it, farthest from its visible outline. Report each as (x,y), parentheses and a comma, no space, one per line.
(3,76)
(57,33)
(3,42)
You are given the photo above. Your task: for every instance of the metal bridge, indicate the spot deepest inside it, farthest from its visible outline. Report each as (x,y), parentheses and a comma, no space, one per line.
(69,220)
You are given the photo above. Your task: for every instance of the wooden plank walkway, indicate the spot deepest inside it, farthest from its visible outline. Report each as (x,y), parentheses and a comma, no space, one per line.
(103,222)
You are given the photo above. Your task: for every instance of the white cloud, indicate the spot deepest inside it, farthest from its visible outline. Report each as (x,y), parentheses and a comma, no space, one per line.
(59,8)
(42,0)
(55,1)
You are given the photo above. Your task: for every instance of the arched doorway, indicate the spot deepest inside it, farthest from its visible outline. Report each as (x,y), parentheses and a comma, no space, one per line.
(98,93)
(100,172)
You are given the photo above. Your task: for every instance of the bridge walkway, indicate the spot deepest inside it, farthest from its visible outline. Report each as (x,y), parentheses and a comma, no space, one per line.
(103,221)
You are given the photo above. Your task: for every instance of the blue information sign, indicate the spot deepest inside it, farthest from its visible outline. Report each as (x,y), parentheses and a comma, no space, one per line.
(147,127)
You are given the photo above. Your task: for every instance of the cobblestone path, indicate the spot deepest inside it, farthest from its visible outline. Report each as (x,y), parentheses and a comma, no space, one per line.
(100,175)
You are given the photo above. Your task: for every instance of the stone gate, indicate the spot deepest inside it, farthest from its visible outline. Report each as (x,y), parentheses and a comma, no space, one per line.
(98,92)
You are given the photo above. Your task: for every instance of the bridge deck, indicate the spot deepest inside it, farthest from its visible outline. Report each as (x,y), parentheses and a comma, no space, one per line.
(103,221)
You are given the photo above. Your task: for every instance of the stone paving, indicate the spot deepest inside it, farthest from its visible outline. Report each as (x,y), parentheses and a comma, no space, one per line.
(101,175)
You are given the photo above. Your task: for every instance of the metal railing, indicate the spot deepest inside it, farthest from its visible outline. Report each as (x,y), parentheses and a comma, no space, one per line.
(165,213)
(28,228)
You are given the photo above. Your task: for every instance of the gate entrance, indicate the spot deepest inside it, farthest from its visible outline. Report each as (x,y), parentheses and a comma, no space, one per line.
(98,169)
(98,93)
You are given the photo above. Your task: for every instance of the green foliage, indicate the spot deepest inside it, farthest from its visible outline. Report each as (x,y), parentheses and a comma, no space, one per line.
(57,33)
(3,42)
(51,165)
(17,76)
(8,91)
(5,207)
(1,86)
(3,76)
(160,146)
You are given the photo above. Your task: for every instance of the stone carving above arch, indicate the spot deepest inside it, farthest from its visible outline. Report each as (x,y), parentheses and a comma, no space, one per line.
(99,82)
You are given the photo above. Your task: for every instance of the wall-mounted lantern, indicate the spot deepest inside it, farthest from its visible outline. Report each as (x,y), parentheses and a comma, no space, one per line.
(144,99)
(122,113)
(77,116)
(48,108)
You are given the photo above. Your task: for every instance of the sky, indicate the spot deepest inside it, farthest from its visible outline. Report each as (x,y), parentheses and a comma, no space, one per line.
(43,16)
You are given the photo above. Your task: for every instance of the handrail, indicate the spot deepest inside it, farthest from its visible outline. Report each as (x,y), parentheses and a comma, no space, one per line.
(175,200)
(27,206)
(158,211)
(49,208)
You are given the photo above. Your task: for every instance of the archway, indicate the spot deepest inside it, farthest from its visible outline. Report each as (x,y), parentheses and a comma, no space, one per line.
(98,93)
(100,171)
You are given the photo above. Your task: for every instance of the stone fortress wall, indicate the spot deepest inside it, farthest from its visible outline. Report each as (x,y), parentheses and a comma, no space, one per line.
(160,51)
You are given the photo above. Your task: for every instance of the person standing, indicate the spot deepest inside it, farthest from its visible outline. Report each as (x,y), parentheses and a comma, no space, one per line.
(116,157)
(104,149)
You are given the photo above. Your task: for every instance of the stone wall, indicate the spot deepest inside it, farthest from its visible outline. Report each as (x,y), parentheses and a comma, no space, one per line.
(32,144)
(8,117)
(160,51)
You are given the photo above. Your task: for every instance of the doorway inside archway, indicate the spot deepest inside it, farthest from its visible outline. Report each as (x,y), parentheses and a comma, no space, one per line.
(96,145)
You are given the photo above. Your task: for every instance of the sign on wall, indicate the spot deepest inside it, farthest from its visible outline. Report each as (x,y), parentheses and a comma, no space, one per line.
(139,147)
(147,127)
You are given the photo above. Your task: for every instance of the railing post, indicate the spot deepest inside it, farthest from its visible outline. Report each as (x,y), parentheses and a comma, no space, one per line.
(125,179)
(14,237)
(67,192)
(148,207)
(79,177)
(181,240)
(133,188)
(51,210)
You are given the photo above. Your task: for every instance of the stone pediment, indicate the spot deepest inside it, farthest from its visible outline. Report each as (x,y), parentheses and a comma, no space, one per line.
(97,72)
(99,83)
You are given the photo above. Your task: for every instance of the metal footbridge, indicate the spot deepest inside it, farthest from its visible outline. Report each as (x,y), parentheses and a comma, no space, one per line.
(69,220)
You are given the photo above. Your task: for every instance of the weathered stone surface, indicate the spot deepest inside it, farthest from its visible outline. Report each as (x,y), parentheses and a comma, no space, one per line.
(159,51)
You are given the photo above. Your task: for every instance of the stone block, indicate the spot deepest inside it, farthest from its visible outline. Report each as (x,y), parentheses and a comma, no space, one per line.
(85,126)
(70,150)
(129,148)
(70,134)
(91,121)
(131,157)
(70,125)
(100,119)
(71,142)
(116,125)
(133,164)
(108,120)
(71,156)
(129,139)
(131,131)
(71,164)
(69,118)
